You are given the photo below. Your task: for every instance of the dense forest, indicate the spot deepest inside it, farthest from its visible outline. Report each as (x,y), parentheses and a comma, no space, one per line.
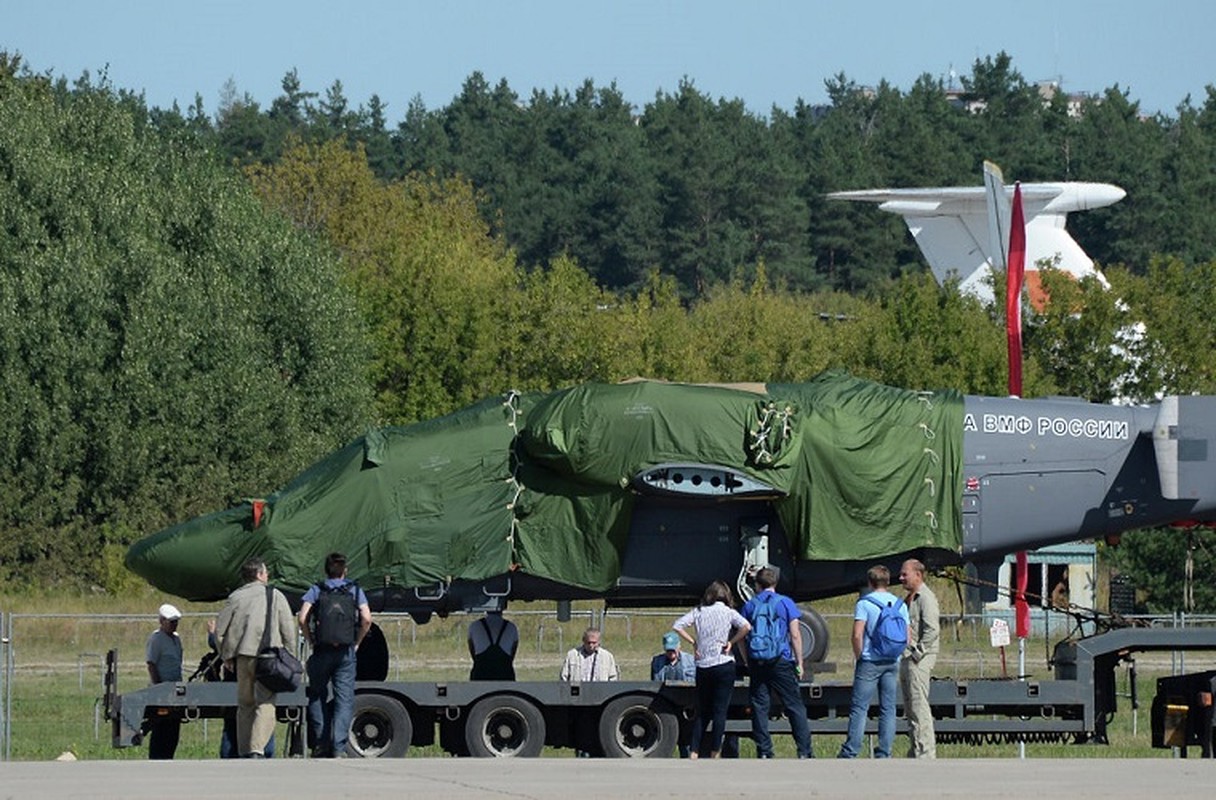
(195,305)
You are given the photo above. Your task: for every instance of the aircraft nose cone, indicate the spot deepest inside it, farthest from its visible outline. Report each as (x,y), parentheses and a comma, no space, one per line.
(197,560)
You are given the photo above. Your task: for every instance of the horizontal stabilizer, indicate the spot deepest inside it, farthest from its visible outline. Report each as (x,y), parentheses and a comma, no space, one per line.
(952,226)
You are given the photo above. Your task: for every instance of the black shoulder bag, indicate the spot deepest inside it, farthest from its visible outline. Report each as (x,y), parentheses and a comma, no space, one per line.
(277,669)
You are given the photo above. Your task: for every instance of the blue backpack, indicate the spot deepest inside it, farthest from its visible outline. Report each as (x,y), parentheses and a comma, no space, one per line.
(767,637)
(890,634)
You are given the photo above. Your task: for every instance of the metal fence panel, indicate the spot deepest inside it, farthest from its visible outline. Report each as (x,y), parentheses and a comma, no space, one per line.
(53,665)
(6,682)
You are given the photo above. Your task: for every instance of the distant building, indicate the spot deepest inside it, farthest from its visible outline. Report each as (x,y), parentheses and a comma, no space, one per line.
(963,100)
(1074,565)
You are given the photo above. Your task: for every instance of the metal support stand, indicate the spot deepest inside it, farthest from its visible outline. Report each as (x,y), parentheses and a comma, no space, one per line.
(6,685)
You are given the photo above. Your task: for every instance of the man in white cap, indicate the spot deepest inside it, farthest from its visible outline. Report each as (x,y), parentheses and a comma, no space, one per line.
(164,656)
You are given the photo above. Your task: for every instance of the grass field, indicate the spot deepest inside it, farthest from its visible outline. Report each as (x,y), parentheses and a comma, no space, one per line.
(58,646)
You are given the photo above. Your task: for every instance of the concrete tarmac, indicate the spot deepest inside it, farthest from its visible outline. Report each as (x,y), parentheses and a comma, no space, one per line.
(589,779)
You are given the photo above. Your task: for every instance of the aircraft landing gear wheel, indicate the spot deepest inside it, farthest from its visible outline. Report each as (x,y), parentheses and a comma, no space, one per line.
(638,726)
(505,726)
(380,728)
(814,636)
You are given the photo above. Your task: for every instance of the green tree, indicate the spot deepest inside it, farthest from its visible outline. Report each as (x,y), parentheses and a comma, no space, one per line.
(1156,562)
(333,117)
(420,143)
(855,246)
(430,278)
(1008,126)
(1084,338)
(243,133)
(562,329)
(586,187)
(1112,142)
(1176,353)
(729,195)
(165,345)
(377,141)
(776,335)
(482,130)
(926,336)
(291,109)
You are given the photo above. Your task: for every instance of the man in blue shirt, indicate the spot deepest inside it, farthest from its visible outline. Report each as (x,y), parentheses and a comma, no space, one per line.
(871,674)
(335,631)
(164,657)
(673,664)
(777,674)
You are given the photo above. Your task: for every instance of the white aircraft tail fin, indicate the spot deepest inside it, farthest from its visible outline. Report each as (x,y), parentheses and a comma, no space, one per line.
(999,215)
(963,231)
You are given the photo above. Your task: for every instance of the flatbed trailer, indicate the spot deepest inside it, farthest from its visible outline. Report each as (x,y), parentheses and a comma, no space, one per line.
(649,719)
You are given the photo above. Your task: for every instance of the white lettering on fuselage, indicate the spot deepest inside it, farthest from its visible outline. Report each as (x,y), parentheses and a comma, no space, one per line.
(1064,427)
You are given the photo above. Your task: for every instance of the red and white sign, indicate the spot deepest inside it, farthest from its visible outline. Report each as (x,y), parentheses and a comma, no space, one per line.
(999,632)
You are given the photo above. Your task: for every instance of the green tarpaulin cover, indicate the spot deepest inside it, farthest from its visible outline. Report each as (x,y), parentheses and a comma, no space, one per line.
(542,484)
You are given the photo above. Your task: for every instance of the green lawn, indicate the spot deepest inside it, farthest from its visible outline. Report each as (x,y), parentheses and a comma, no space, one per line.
(59,658)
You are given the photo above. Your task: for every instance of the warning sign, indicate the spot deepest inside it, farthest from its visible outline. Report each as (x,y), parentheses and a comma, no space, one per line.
(999,633)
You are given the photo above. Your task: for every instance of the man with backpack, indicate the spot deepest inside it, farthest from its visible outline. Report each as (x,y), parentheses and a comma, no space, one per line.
(335,617)
(880,634)
(774,662)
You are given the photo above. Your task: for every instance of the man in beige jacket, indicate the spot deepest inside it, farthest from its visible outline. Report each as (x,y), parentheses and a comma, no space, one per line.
(239,633)
(916,666)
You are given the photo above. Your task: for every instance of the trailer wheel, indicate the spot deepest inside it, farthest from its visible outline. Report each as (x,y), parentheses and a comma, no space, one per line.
(505,726)
(814,630)
(638,726)
(380,728)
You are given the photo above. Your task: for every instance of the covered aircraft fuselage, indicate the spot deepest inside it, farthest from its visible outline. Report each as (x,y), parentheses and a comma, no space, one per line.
(642,493)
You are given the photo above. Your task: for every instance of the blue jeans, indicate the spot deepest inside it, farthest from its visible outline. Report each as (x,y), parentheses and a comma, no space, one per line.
(869,676)
(714,687)
(329,722)
(780,679)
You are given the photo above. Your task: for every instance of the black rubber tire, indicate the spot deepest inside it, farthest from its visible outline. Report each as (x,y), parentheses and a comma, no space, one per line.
(814,630)
(380,728)
(505,726)
(638,726)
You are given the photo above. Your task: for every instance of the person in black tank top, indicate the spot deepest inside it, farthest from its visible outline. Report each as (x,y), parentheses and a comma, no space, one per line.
(496,659)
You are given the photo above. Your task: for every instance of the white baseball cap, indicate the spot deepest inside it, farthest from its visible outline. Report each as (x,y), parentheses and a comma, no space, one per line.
(168,611)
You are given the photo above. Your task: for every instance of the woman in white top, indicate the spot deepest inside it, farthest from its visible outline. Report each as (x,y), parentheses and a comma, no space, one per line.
(719,628)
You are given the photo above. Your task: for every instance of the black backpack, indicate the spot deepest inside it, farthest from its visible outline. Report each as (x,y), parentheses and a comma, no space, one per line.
(335,615)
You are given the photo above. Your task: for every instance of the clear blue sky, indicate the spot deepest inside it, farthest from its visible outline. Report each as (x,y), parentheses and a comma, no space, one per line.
(762,51)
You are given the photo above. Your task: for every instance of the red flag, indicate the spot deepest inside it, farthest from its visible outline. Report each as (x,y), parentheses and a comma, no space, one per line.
(258,506)
(1021,608)
(1013,291)
(1013,323)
